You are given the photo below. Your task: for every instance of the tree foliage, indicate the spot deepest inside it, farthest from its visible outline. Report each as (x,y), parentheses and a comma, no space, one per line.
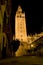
(15,45)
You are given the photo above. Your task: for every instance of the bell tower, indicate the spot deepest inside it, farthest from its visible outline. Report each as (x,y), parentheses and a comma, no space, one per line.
(20,25)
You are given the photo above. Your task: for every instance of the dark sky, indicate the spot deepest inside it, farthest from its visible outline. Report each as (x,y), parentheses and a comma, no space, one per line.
(33,12)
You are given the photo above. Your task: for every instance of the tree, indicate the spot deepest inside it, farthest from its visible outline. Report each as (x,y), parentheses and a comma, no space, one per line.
(14,46)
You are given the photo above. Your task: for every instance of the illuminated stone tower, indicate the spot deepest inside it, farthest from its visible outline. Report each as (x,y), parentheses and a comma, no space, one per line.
(20,25)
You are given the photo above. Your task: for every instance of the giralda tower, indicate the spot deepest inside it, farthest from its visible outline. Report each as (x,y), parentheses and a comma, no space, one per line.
(20,25)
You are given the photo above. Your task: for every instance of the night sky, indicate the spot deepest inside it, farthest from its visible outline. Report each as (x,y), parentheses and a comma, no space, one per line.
(33,12)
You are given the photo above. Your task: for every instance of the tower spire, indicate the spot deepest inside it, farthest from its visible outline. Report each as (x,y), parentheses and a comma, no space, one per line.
(19,9)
